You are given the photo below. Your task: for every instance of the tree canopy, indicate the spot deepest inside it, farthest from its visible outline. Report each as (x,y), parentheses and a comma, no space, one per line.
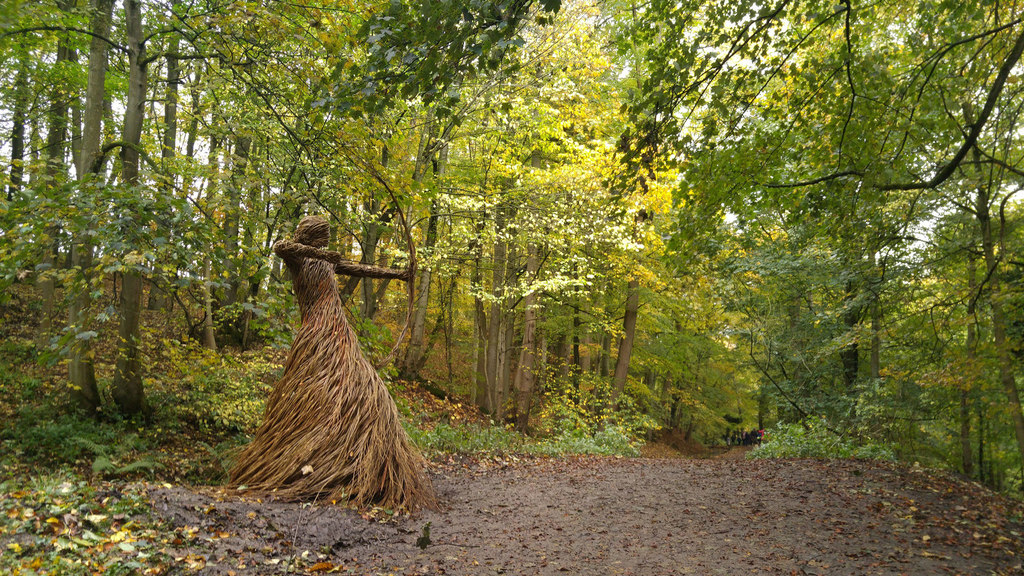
(697,216)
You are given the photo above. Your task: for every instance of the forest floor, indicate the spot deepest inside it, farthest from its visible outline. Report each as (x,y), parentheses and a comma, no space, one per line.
(722,515)
(73,499)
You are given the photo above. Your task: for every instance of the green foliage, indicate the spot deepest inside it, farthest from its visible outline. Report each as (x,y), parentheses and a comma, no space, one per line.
(426,50)
(609,441)
(467,439)
(203,402)
(478,440)
(212,392)
(815,440)
(108,461)
(580,407)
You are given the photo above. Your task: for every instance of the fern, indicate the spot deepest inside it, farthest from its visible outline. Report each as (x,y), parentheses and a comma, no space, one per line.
(96,449)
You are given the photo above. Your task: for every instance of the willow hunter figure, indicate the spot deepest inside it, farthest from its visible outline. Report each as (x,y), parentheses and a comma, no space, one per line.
(331,429)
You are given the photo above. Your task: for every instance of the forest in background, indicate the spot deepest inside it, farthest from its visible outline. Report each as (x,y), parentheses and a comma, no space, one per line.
(698,216)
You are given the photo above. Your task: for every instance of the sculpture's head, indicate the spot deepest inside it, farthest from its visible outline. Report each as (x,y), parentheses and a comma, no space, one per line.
(313,231)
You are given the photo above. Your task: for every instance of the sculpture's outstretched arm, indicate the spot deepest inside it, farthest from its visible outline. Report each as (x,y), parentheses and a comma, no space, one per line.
(290,250)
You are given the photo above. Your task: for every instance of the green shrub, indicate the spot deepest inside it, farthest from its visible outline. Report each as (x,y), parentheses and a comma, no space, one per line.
(816,441)
(584,411)
(610,441)
(210,392)
(469,439)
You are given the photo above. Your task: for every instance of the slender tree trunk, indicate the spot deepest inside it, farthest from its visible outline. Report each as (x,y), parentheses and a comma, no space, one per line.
(415,354)
(193,125)
(1003,357)
(626,346)
(604,370)
(495,321)
(76,129)
(564,353)
(576,324)
(982,214)
(876,328)
(480,323)
(209,334)
(850,355)
(80,367)
(21,94)
(526,376)
(58,113)
(508,355)
(981,442)
(971,346)
(127,384)
(159,298)
(44,281)
(232,234)
(371,238)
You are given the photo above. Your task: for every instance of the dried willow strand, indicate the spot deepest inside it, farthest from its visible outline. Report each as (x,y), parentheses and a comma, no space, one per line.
(331,429)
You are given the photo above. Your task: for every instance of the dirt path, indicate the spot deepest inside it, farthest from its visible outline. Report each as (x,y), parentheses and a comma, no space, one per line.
(645,517)
(735,453)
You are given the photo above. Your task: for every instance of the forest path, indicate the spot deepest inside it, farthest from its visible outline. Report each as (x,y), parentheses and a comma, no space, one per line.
(734,453)
(628,516)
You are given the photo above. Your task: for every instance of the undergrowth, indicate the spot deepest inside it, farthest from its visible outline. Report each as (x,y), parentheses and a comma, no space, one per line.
(816,440)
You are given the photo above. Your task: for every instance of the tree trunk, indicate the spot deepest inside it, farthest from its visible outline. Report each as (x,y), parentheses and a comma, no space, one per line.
(981,441)
(849,356)
(232,234)
(971,345)
(606,355)
(159,299)
(80,367)
(526,376)
(368,289)
(1003,356)
(508,355)
(127,384)
(415,353)
(479,392)
(875,362)
(1004,359)
(44,280)
(209,334)
(193,125)
(21,94)
(494,332)
(414,356)
(626,346)
(576,368)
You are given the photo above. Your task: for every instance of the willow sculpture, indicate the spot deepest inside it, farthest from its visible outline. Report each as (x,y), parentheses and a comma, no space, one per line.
(331,429)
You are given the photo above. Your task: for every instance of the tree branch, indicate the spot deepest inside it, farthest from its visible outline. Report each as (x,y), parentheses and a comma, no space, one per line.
(972,136)
(112,44)
(818,180)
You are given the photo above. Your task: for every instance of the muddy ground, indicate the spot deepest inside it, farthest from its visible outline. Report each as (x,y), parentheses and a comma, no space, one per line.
(623,516)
